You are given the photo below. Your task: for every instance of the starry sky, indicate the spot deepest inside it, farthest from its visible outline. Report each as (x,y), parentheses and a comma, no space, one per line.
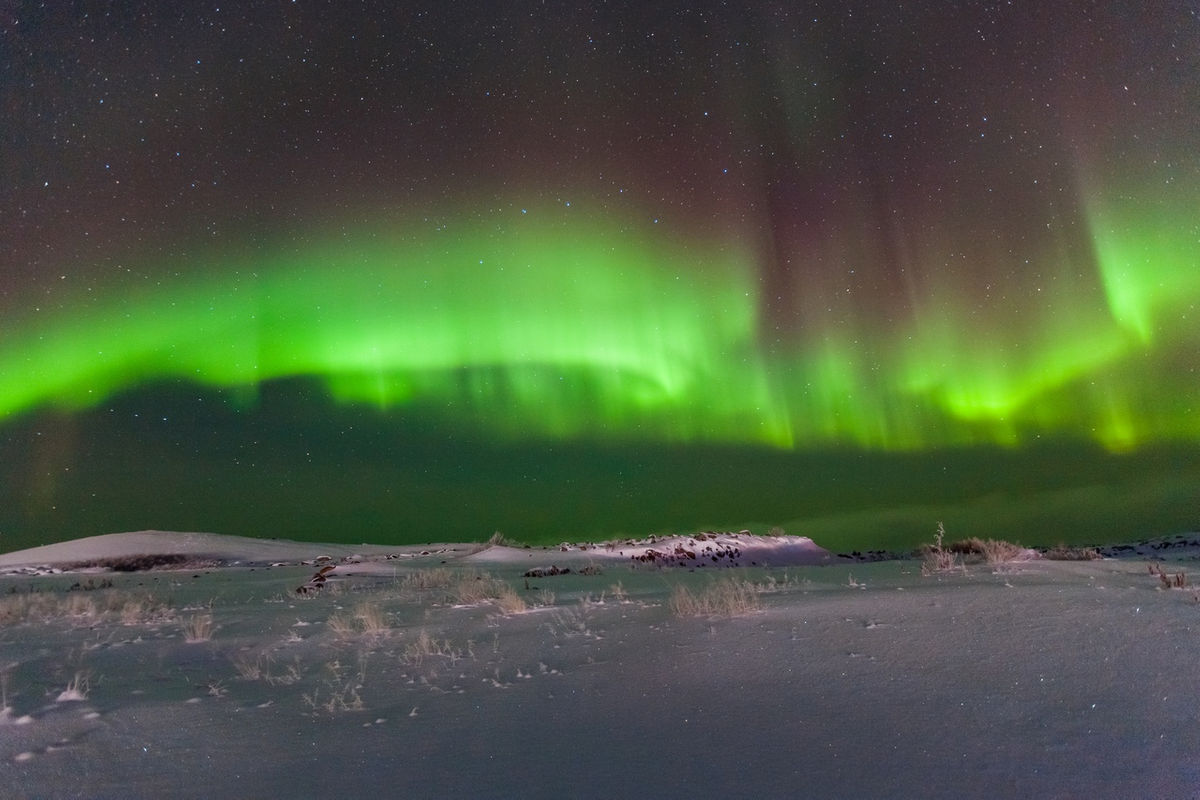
(403,272)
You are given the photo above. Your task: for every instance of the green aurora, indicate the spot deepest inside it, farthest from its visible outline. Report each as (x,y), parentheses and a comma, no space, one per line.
(639,354)
(538,324)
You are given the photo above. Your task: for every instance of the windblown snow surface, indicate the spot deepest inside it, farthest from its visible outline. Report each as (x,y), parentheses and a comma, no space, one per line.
(414,672)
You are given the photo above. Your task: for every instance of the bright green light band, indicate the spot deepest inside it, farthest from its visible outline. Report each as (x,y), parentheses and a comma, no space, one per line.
(551,324)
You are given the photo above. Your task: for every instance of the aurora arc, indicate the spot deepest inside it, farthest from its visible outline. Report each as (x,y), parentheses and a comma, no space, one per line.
(556,324)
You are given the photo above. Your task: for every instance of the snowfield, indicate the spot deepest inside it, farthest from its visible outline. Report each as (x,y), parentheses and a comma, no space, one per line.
(446,671)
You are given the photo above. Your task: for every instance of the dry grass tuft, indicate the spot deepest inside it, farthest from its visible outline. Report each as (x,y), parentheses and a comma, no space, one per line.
(473,588)
(82,607)
(198,628)
(497,539)
(938,558)
(422,647)
(972,546)
(1176,581)
(992,551)
(341,690)
(254,670)
(425,646)
(367,619)
(1001,552)
(462,587)
(341,625)
(426,579)
(1064,552)
(77,688)
(509,601)
(371,619)
(724,598)
(139,609)
(261,669)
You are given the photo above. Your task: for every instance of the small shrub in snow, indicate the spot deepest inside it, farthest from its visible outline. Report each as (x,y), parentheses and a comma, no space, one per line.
(1176,581)
(938,558)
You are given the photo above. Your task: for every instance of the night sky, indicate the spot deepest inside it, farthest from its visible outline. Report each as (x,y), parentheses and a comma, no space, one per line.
(405,272)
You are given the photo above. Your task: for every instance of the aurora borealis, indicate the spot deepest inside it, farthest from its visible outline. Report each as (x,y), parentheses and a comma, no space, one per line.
(594,270)
(577,327)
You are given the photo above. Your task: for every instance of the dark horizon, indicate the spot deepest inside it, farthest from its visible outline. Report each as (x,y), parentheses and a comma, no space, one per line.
(353,474)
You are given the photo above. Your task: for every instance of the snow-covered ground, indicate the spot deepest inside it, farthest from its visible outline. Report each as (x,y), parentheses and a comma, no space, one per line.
(443,671)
